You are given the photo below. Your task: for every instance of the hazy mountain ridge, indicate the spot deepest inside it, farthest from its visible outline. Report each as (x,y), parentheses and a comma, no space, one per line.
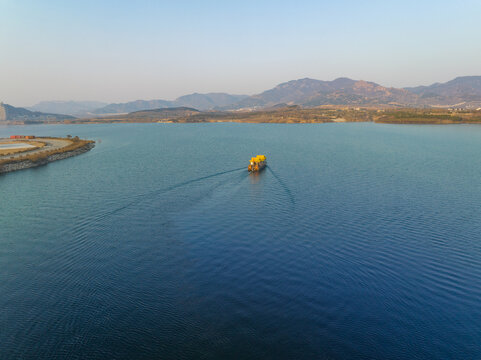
(458,90)
(74,108)
(208,101)
(11,113)
(137,105)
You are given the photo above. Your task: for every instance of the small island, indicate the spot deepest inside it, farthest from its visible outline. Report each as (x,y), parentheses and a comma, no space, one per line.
(26,151)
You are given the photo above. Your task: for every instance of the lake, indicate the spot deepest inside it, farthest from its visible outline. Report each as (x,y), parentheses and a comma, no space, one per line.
(358,241)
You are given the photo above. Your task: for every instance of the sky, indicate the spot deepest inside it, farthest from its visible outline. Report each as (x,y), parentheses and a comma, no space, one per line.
(117,51)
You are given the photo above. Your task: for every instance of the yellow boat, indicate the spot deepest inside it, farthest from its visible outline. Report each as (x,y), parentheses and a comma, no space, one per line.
(257,163)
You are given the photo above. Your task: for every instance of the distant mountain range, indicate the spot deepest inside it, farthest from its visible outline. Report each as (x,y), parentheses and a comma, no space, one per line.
(462,92)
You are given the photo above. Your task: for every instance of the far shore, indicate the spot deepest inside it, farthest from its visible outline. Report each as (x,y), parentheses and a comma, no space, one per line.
(298,115)
(289,115)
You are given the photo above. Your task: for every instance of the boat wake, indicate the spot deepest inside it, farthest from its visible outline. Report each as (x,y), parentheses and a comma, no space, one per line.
(139,198)
(284,186)
(188,182)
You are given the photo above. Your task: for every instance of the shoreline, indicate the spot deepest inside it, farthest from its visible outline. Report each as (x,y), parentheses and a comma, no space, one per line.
(285,115)
(441,122)
(333,121)
(38,159)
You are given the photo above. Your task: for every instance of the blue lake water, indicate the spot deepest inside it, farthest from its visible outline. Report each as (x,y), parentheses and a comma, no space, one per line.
(359,241)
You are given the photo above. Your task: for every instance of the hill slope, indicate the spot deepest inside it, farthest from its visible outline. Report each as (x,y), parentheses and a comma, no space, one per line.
(342,91)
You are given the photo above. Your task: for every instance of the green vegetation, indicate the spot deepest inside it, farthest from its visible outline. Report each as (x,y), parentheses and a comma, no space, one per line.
(429,116)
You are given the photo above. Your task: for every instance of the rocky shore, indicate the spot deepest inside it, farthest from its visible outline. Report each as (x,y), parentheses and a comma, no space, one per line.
(26,164)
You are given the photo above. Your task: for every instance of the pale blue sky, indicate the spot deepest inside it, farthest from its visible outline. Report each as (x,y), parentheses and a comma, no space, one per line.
(119,51)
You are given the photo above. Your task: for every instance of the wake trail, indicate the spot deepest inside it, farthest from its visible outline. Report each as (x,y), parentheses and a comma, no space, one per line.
(188,182)
(140,197)
(284,186)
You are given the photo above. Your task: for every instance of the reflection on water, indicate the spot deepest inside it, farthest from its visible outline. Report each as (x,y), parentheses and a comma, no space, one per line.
(256,176)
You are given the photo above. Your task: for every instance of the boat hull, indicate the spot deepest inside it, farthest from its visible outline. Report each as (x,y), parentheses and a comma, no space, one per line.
(257,166)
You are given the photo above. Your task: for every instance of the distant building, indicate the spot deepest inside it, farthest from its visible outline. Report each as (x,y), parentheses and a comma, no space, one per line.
(22,137)
(3,112)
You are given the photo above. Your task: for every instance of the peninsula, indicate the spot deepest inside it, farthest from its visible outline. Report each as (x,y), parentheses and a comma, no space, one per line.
(26,151)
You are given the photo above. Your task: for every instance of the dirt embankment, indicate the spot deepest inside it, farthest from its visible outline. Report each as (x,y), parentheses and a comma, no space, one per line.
(53,150)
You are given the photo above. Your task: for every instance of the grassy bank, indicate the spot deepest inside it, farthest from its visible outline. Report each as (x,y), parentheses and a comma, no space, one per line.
(429,116)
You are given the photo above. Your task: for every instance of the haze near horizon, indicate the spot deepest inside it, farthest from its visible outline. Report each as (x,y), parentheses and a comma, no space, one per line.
(118,51)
